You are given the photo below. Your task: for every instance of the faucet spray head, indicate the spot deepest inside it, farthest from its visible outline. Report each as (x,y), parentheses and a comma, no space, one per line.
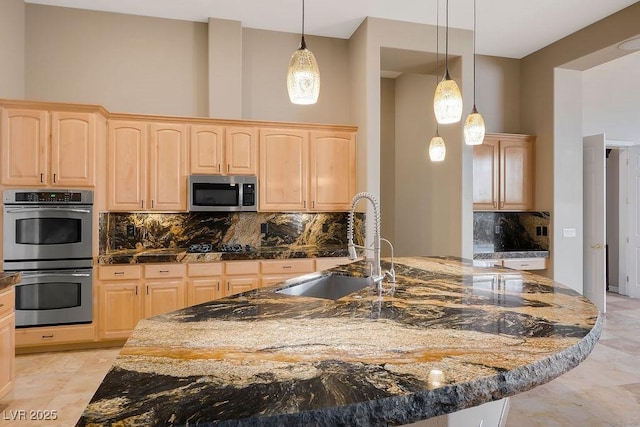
(352,252)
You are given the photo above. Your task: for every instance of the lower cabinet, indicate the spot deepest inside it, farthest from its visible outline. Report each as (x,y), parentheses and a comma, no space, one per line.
(129,293)
(276,271)
(204,282)
(7,341)
(241,276)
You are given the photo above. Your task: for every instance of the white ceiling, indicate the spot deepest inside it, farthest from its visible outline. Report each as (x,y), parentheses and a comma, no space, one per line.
(508,28)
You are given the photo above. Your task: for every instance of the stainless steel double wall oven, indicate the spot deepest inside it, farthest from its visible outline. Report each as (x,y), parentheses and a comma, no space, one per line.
(48,238)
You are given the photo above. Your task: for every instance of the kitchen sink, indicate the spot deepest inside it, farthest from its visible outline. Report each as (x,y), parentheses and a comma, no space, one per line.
(333,286)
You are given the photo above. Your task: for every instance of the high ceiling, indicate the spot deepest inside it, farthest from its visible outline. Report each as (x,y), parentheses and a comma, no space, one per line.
(508,28)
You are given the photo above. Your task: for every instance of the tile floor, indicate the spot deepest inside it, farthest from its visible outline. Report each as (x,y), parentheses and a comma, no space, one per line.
(602,391)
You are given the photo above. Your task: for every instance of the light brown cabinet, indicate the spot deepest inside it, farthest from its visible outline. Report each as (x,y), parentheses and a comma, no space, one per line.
(306,171)
(129,293)
(222,150)
(204,282)
(503,173)
(48,148)
(241,276)
(276,271)
(146,166)
(7,341)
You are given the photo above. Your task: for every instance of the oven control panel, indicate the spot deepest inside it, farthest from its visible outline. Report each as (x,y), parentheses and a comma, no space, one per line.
(16,197)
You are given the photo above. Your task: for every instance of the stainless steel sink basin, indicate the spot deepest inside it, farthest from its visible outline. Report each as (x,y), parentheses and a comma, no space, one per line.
(333,286)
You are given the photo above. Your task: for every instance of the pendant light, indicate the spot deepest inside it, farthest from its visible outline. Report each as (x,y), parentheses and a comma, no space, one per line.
(437,148)
(474,125)
(303,75)
(447,102)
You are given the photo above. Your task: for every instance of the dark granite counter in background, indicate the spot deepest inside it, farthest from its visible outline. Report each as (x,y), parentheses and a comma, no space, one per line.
(265,358)
(511,254)
(9,279)
(133,256)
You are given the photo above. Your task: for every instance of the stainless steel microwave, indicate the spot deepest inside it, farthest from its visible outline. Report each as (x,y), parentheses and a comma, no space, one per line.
(216,193)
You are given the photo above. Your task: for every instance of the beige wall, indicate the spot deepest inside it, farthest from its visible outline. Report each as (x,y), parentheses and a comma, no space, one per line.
(498,93)
(12,43)
(125,63)
(265,61)
(557,139)
(225,68)
(387,153)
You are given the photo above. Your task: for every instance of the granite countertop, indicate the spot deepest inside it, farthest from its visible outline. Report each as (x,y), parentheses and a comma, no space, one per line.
(264,358)
(9,279)
(133,256)
(511,254)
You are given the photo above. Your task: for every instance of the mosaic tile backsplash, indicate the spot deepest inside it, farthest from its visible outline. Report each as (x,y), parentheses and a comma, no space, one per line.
(142,231)
(510,231)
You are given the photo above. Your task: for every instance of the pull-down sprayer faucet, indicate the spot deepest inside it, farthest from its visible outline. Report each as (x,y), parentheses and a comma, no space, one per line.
(376,272)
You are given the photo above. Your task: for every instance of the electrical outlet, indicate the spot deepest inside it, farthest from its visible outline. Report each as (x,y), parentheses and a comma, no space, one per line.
(131,230)
(538,231)
(264,227)
(325,228)
(544,230)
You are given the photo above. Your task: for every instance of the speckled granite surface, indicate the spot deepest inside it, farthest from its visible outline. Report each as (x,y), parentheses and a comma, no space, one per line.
(265,358)
(128,256)
(8,279)
(512,254)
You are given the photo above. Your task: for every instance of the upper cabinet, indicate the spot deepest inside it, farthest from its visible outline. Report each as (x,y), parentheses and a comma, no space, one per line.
(48,148)
(306,170)
(222,150)
(146,166)
(503,173)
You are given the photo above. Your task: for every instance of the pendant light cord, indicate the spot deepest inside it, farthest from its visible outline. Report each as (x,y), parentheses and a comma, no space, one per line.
(446,56)
(474,54)
(303,45)
(437,51)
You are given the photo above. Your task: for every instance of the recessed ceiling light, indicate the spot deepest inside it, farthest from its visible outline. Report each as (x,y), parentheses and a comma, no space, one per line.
(631,44)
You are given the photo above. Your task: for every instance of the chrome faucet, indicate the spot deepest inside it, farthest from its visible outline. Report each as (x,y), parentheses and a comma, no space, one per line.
(376,271)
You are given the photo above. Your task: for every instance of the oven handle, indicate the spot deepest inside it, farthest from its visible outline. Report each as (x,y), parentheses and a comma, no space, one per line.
(31,209)
(26,274)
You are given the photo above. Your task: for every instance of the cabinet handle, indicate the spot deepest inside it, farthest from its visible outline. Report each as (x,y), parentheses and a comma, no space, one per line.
(228,286)
(228,167)
(286,266)
(47,337)
(41,177)
(147,289)
(218,286)
(142,204)
(218,167)
(54,177)
(304,204)
(118,273)
(164,271)
(313,204)
(136,289)
(151,203)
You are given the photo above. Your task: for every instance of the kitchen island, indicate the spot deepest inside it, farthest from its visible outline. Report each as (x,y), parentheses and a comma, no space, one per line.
(446,337)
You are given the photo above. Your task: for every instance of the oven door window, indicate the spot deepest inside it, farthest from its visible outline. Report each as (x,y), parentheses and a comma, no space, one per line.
(49,296)
(48,231)
(216,194)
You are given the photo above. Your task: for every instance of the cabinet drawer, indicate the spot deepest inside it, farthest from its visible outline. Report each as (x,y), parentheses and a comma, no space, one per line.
(7,302)
(54,335)
(327,263)
(287,266)
(159,271)
(204,269)
(525,263)
(232,268)
(119,272)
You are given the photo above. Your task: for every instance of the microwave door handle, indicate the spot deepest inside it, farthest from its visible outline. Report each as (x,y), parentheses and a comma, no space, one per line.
(28,210)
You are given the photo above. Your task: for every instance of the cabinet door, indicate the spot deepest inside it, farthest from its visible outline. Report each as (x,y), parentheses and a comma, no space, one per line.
(119,308)
(204,289)
(240,150)
(236,285)
(163,296)
(24,139)
(126,170)
(283,170)
(332,170)
(516,170)
(7,353)
(167,167)
(206,144)
(73,140)
(485,174)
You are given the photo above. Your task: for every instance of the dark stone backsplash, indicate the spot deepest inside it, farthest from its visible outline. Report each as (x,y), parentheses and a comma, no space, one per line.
(510,231)
(142,231)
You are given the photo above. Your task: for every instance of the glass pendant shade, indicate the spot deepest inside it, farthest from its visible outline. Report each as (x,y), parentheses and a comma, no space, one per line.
(437,149)
(303,77)
(474,128)
(447,101)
